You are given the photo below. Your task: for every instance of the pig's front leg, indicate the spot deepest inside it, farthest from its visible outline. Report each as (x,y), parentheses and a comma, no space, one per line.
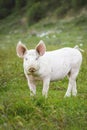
(31,85)
(46,82)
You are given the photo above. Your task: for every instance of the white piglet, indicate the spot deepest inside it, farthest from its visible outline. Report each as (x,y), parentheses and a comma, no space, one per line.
(50,66)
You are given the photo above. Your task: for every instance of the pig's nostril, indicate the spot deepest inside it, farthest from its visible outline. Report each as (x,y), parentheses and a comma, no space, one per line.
(32,69)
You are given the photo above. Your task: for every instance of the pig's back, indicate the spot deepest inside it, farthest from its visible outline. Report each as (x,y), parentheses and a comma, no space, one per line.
(60,61)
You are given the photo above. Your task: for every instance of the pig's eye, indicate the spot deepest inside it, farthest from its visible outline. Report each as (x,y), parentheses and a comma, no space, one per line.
(26,58)
(37,58)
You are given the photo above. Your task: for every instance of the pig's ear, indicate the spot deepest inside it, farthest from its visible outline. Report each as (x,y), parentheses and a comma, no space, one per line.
(21,49)
(41,48)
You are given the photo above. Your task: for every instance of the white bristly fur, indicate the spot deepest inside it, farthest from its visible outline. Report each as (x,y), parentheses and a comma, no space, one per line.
(53,65)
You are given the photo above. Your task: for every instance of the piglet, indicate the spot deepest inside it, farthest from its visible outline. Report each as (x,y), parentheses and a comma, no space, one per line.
(50,66)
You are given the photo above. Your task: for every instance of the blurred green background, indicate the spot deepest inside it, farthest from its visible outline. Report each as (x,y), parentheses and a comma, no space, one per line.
(59,23)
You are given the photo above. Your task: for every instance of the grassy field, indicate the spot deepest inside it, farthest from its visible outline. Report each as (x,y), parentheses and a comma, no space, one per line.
(19,111)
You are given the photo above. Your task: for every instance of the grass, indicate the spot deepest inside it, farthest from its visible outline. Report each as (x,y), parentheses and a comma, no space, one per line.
(19,111)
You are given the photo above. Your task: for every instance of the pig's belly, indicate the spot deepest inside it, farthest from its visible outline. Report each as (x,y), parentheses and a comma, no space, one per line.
(60,72)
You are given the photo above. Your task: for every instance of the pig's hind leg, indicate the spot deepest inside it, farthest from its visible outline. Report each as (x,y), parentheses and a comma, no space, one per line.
(72,75)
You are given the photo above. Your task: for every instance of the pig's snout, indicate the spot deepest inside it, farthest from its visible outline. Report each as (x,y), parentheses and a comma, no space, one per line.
(32,69)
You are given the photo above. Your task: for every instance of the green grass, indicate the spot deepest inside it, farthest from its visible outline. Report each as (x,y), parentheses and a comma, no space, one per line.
(19,111)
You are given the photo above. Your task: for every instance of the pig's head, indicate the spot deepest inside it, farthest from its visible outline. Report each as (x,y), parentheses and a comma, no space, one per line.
(31,57)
